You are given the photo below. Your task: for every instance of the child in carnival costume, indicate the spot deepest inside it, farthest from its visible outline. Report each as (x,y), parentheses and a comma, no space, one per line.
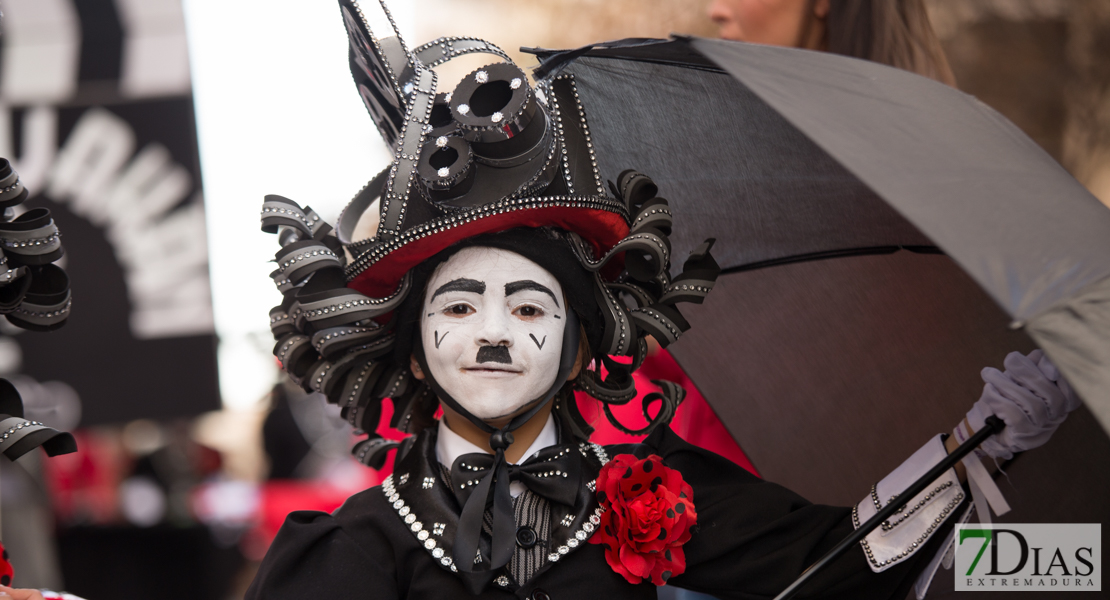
(490,272)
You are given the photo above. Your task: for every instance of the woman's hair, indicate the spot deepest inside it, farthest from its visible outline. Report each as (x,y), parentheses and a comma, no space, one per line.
(892,32)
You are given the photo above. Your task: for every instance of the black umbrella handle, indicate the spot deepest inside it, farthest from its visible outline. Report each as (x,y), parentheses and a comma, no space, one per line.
(993,426)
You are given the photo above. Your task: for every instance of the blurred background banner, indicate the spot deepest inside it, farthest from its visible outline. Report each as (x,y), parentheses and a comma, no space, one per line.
(96,113)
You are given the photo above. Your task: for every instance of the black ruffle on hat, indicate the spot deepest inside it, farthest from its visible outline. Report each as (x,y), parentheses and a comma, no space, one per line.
(34,292)
(495,162)
(18,435)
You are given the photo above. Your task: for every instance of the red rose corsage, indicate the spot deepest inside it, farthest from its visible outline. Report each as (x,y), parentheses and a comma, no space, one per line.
(649,512)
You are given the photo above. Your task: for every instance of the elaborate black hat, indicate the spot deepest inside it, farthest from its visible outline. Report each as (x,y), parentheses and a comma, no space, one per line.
(494,154)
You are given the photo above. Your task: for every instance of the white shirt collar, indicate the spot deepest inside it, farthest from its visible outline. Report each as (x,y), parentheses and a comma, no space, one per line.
(450,445)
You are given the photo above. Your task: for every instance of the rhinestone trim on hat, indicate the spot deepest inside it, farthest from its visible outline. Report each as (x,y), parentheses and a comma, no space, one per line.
(16,428)
(388,66)
(289,212)
(446,223)
(320,252)
(44,314)
(446,45)
(586,135)
(343,332)
(42,241)
(393,201)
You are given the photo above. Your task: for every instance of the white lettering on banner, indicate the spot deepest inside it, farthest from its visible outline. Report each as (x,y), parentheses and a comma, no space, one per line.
(40,134)
(97,148)
(155,53)
(42,48)
(164,252)
(151,185)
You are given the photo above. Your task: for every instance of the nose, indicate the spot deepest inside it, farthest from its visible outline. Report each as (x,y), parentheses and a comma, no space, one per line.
(718,12)
(494,330)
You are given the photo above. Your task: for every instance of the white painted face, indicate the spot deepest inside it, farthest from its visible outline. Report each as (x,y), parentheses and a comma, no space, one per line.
(492,329)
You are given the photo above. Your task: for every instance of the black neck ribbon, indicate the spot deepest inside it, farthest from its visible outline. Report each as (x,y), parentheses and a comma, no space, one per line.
(492,491)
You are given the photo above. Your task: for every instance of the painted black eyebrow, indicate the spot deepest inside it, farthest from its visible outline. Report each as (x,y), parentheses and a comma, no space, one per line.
(461,285)
(527,284)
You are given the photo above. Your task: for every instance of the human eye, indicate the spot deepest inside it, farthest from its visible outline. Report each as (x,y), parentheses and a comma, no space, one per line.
(458,309)
(528,311)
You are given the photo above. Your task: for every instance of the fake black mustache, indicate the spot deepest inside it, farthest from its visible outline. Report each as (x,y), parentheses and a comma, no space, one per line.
(497,354)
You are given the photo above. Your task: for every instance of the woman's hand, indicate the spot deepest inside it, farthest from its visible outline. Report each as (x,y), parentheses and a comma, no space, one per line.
(1030,396)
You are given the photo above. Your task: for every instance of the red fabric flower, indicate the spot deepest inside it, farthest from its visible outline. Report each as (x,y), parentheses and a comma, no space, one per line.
(649,512)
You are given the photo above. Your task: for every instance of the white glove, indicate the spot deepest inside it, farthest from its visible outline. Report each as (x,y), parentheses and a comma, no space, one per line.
(1031,397)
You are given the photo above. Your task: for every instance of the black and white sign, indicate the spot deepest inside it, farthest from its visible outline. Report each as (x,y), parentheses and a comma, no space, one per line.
(96,114)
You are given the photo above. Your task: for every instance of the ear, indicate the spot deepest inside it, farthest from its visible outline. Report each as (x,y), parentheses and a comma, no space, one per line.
(821,9)
(414,366)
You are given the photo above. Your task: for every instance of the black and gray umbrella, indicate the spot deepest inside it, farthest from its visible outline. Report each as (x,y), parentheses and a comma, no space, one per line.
(884,237)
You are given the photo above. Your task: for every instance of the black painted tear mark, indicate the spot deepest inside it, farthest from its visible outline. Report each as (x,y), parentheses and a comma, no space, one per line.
(431,314)
(440,339)
(539,344)
(557,316)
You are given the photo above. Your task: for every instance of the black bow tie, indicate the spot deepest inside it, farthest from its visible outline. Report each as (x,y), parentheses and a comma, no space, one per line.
(479,480)
(553,473)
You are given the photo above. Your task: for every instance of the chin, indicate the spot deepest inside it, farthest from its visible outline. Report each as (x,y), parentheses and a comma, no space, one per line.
(497,405)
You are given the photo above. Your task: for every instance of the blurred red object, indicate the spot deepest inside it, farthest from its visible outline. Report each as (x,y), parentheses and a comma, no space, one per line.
(279,497)
(84,486)
(6,570)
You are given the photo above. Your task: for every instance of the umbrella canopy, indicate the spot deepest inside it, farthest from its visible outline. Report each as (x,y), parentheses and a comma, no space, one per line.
(948,239)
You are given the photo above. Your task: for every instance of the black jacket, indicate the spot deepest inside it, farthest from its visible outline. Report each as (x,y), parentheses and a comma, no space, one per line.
(752,540)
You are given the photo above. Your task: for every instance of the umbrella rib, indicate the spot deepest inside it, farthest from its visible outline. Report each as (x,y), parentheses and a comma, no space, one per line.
(826,254)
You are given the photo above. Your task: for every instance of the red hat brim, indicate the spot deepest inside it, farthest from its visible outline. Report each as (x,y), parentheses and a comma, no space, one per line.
(601,228)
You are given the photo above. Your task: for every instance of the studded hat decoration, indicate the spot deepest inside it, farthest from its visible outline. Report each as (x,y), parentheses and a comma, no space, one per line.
(19,435)
(496,153)
(34,292)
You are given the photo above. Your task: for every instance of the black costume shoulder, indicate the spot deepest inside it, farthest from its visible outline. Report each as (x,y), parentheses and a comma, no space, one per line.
(753,538)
